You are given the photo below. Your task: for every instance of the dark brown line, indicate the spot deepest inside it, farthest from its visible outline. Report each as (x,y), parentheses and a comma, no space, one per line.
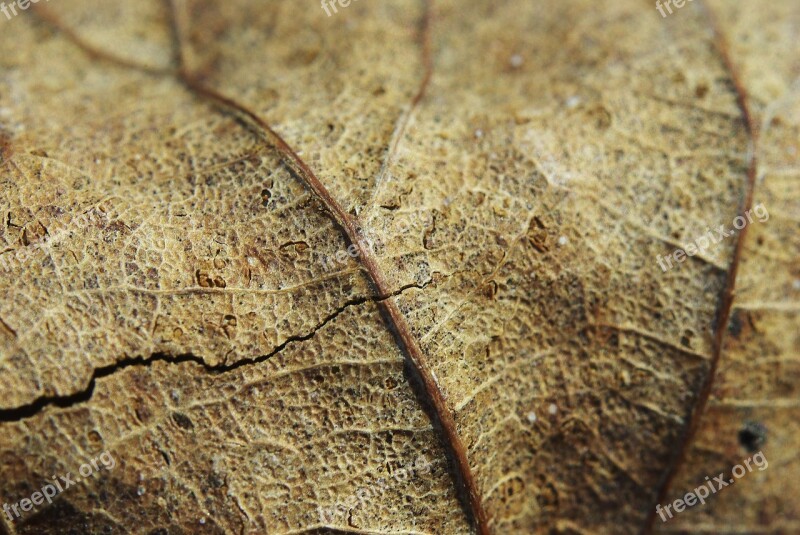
(427,57)
(8,327)
(727,292)
(427,63)
(352,231)
(351,228)
(50,18)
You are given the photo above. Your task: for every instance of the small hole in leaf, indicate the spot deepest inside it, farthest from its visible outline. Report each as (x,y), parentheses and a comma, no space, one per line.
(752,436)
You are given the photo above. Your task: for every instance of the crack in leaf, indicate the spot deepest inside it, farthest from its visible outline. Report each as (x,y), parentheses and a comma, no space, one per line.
(37,406)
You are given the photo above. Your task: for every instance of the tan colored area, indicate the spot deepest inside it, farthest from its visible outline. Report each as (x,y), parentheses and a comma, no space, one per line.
(757,388)
(162,295)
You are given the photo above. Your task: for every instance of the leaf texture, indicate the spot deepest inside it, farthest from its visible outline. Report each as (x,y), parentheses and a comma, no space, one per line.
(510,171)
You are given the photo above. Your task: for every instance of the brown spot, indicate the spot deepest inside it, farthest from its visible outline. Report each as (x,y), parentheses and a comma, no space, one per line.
(302,57)
(229,323)
(33,233)
(182,421)
(537,235)
(143,413)
(600,117)
(490,289)
(294,247)
(203,279)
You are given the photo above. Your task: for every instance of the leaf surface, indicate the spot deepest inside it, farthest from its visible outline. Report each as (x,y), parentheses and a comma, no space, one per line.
(176,292)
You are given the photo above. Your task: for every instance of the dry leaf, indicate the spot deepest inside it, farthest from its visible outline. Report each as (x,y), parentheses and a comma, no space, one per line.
(397,269)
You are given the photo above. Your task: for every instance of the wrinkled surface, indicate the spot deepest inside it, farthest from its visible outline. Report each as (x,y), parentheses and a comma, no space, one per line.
(244,382)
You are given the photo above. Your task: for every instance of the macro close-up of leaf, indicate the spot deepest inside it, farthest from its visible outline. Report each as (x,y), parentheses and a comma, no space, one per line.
(416,267)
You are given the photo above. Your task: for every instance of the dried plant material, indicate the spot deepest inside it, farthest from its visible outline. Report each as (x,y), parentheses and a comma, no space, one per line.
(395,271)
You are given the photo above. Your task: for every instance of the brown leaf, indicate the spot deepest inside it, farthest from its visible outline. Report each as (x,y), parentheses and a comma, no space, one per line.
(397,269)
